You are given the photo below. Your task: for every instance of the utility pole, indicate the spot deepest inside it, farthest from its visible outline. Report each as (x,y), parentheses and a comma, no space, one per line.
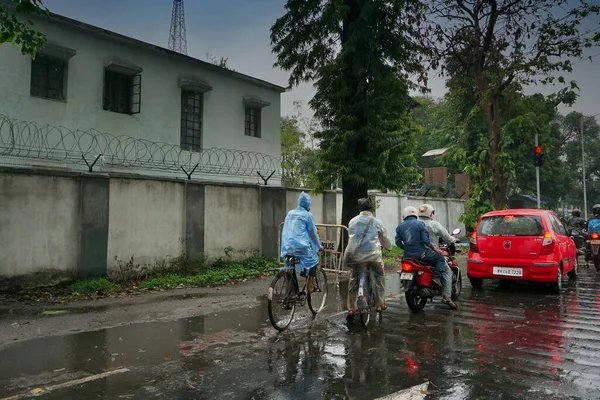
(585,207)
(537,175)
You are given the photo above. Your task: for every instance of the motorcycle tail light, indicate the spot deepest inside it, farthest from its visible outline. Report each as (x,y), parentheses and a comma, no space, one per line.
(406,267)
(594,236)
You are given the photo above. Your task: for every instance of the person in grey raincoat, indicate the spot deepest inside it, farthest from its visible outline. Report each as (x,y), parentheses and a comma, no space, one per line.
(434,228)
(301,239)
(367,236)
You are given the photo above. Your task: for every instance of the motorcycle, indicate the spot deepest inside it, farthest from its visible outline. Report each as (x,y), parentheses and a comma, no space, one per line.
(579,236)
(593,249)
(416,278)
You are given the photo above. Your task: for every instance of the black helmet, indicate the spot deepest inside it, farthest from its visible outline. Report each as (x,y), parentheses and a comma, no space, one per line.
(576,212)
(596,209)
(365,204)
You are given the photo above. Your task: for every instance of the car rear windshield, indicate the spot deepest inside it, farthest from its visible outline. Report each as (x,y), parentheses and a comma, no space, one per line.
(509,225)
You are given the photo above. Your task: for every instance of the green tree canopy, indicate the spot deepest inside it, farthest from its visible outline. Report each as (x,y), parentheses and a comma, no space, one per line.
(488,49)
(361,53)
(18,32)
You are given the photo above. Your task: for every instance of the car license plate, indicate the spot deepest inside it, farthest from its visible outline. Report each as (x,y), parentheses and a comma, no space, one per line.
(508,271)
(406,276)
(595,241)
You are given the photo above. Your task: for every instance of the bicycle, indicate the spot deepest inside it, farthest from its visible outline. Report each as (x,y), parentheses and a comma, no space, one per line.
(366,302)
(291,295)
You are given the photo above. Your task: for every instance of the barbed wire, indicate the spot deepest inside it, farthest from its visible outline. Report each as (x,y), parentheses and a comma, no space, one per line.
(22,139)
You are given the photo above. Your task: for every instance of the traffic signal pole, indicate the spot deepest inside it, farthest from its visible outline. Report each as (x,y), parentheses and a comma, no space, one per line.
(537,176)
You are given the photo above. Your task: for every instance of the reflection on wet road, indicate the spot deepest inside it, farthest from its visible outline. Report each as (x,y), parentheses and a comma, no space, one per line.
(508,342)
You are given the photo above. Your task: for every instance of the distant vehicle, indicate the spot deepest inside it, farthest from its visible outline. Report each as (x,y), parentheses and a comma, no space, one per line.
(522,244)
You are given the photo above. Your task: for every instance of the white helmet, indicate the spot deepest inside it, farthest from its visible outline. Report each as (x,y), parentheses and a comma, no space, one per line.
(409,211)
(426,210)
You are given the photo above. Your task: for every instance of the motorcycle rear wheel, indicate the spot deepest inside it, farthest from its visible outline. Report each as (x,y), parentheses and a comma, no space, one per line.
(414,301)
(597,263)
(456,285)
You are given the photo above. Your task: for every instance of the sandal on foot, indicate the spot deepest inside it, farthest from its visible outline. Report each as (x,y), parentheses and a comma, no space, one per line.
(382,308)
(448,301)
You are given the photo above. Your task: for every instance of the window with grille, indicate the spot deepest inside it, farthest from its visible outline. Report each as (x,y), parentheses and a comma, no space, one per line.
(122,93)
(48,77)
(191,120)
(252,122)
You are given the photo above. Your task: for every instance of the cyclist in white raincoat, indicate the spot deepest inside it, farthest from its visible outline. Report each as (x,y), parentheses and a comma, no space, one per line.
(367,236)
(300,238)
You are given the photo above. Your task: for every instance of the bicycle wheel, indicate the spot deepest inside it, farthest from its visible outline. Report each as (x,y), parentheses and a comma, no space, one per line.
(316,300)
(282,302)
(363,304)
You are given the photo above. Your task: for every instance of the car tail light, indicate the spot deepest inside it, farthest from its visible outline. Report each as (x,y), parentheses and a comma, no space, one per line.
(547,244)
(594,236)
(406,267)
(473,243)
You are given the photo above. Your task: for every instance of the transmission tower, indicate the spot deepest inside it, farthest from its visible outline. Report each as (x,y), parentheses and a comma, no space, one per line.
(177,36)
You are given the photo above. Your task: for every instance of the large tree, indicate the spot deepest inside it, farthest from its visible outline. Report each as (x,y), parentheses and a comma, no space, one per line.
(571,151)
(18,32)
(297,160)
(494,45)
(361,53)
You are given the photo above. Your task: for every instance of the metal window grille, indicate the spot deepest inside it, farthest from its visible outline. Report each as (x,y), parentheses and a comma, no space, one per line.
(191,120)
(122,93)
(48,77)
(252,123)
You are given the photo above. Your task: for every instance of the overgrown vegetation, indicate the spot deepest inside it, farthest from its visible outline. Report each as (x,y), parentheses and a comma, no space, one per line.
(195,272)
(391,257)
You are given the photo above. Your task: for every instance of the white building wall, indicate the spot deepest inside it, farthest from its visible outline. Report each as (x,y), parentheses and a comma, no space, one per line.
(159,120)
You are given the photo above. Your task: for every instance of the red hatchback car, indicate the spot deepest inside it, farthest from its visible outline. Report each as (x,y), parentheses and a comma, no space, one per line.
(522,244)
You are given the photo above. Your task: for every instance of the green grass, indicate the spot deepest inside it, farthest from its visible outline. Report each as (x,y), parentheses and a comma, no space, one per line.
(396,252)
(94,285)
(390,257)
(195,274)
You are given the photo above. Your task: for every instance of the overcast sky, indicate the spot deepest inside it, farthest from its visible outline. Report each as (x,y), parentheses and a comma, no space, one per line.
(239,30)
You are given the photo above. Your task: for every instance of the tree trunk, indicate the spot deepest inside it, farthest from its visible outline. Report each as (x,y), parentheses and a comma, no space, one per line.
(351,193)
(499,189)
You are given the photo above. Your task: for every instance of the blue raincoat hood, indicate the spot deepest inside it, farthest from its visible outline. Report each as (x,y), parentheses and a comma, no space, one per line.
(304,201)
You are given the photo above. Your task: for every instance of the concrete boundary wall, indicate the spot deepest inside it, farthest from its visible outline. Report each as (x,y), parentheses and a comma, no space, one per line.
(64,224)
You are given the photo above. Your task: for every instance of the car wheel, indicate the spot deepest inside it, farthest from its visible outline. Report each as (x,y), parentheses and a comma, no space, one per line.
(575,271)
(557,286)
(476,282)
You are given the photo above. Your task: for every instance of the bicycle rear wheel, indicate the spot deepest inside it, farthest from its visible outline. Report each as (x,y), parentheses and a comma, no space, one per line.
(364,306)
(281,300)
(316,299)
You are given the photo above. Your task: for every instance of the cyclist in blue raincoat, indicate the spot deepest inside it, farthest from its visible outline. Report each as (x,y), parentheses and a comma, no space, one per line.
(300,238)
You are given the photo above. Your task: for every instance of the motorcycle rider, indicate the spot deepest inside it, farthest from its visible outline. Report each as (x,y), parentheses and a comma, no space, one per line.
(434,228)
(367,236)
(593,225)
(576,222)
(300,238)
(412,236)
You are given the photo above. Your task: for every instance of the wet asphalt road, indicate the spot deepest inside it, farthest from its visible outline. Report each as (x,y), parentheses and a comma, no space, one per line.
(505,342)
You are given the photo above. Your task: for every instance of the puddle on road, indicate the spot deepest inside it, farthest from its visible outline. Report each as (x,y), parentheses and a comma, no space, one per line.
(144,343)
(514,342)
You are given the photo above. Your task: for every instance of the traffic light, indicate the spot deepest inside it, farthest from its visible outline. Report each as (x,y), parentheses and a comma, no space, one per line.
(539,156)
